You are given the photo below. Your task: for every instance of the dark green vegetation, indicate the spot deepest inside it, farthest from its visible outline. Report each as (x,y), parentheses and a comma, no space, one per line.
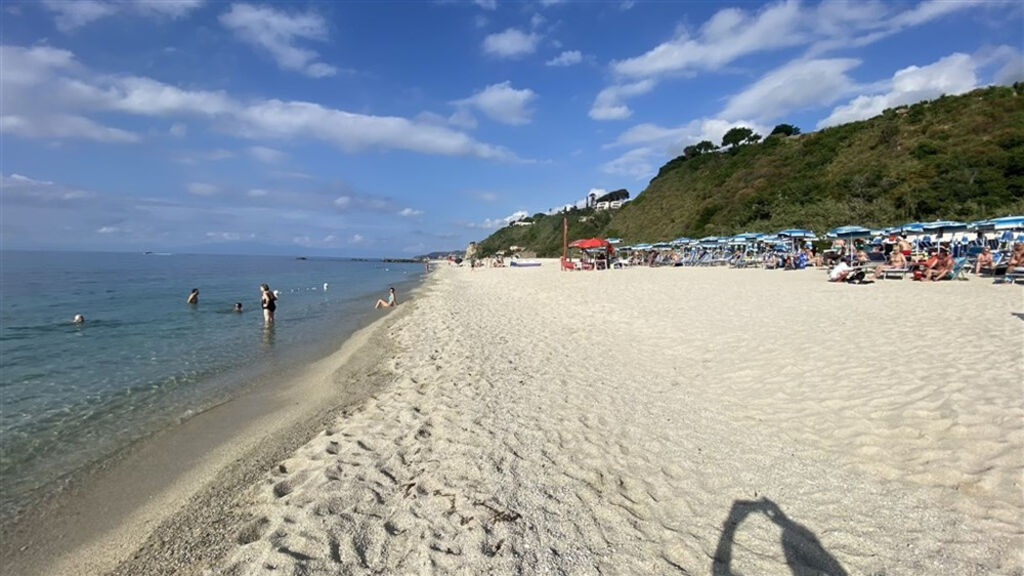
(958,158)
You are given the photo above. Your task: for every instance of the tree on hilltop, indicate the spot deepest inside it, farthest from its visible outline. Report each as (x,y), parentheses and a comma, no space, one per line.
(785,130)
(738,136)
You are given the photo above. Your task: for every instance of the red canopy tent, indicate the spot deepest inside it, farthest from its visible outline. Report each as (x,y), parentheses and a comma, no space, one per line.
(592,243)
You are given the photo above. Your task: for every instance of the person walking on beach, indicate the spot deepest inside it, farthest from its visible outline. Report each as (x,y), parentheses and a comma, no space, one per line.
(193,297)
(268,301)
(391,301)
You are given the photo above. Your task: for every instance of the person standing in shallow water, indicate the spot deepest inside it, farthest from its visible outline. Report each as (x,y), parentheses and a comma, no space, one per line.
(268,301)
(193,297)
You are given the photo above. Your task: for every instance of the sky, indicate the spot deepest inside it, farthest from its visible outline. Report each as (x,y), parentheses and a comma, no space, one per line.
(397,128)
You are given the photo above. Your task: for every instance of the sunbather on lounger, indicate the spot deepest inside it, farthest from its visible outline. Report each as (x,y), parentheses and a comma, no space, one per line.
(1017,258)
(897,261)
(985,260)
(943,266)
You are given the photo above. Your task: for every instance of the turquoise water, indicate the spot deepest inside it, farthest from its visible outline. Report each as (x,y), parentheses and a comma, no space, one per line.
(144,359)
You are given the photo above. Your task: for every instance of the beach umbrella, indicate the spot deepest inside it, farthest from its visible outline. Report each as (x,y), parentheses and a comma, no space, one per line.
(942,226)
(681,240)
(661,245)
(614,240)
(642,246)
(849,233)
(798,233)
(912,227)
(589,243)
(1006,223)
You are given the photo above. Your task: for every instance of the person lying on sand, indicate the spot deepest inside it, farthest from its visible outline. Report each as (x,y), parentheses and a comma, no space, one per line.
(391,301)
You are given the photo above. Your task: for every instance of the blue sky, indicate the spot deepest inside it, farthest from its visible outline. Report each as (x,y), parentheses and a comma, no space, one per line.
(397,128)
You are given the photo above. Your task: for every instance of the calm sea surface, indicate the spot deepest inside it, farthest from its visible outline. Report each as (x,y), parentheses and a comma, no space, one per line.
(144,359)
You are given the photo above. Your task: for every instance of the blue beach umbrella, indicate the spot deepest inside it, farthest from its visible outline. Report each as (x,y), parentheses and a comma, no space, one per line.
(1004,223)
(613,240)
(681,241)
(798,233)
(849,232)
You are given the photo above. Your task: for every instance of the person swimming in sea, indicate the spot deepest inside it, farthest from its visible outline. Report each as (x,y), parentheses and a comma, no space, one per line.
(238,307)
(193,297)
(391,301)
(79,319)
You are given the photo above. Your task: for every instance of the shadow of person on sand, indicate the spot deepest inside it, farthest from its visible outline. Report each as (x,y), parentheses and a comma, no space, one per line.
(804,553)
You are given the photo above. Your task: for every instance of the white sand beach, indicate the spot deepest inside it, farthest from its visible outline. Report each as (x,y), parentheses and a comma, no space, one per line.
(667,421)
(642,421)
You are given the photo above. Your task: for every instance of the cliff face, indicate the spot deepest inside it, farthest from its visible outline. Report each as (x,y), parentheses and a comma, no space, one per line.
(956,157)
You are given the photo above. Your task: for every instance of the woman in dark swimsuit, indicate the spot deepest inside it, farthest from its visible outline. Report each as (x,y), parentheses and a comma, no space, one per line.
(268,302)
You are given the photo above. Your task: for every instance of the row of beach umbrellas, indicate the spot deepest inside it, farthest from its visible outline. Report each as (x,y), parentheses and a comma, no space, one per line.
(938,227)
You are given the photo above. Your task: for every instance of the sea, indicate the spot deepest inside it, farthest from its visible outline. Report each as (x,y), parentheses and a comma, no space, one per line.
(72,395)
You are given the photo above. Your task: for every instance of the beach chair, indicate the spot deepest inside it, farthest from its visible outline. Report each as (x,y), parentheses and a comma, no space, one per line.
(900,273)
(959,272)
(1013,275)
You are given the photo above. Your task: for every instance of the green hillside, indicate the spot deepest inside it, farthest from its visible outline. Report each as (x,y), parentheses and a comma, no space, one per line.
(958,157)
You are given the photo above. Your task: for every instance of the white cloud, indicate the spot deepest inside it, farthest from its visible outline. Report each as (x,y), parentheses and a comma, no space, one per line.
(266,155)
(39,103)
(796,85)
(954,74)
(64,126)
(357,239)
(654,144)
(354,132)
(70,15)
(409,212)
(485,195)
(1012,71)
(726,36)
(492,223)
(202,188)
(226,236)
(511,43)
(733,33)
(276,32)
(463,118)
(567,58)
(637,163)
(549,3)
(19,187)
(487,4)
(108,230)
(343,201)
(609,102)
(30,66)
(627,5)
(503,103)
(178,130)
(258,193)
(48,94)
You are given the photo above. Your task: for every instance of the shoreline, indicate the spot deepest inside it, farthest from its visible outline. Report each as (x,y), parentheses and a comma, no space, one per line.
(181,477)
